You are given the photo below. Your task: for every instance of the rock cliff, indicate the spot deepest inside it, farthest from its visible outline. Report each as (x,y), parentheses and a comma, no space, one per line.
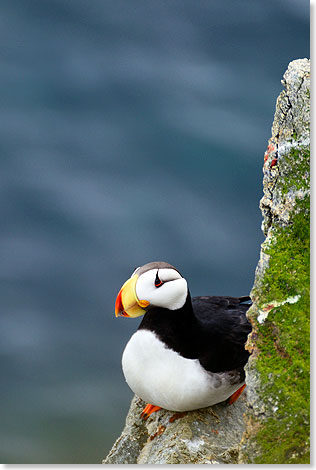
(271,423)
(277,417)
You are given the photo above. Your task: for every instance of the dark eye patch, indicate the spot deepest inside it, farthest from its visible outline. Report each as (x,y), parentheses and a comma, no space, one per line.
(158,282)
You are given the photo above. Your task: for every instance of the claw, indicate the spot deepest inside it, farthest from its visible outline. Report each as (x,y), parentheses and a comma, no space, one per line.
(236,395)
(148,410)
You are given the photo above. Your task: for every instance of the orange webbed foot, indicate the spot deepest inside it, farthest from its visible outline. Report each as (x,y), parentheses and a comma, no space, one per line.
(236,395)
(148,410)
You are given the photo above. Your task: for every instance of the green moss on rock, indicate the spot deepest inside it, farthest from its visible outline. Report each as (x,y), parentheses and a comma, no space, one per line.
(283,363)
(300,179)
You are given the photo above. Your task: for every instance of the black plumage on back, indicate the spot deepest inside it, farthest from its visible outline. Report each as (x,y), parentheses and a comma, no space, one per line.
(224,331)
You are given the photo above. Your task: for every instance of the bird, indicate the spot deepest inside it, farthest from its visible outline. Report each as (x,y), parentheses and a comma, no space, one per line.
(187,353)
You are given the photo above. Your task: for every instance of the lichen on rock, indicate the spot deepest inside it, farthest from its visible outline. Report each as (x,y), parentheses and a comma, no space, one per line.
(270,424)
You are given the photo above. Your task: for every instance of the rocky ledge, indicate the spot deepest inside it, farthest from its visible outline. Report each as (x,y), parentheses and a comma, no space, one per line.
(271,423)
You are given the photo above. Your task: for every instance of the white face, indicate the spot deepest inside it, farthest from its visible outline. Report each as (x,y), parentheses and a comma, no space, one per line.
(171,292)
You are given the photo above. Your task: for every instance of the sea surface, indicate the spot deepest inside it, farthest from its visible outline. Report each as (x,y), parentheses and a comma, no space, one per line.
(131,131)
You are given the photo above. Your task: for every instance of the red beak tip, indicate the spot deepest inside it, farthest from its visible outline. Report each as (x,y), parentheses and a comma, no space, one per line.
(118,305)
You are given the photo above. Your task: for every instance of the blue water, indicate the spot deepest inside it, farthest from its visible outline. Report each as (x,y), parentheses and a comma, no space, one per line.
(131,131)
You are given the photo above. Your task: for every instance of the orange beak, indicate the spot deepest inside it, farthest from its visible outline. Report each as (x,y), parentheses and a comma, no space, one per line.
(127,303)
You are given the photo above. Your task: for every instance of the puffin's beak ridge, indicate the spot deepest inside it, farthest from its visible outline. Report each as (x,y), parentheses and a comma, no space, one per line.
(127,303)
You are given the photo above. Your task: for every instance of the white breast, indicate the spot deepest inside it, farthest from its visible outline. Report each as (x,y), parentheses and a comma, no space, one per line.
(162,377)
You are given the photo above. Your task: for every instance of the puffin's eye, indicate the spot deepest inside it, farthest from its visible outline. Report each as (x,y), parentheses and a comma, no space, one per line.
(158,282)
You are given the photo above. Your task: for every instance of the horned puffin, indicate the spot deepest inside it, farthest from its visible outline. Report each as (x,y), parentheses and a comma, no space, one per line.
(186,353)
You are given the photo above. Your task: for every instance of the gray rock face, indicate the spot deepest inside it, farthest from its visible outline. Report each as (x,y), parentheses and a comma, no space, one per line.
(270,423)
(205,436)
(290,131)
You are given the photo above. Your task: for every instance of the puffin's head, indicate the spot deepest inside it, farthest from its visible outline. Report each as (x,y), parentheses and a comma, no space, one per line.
(156,284)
